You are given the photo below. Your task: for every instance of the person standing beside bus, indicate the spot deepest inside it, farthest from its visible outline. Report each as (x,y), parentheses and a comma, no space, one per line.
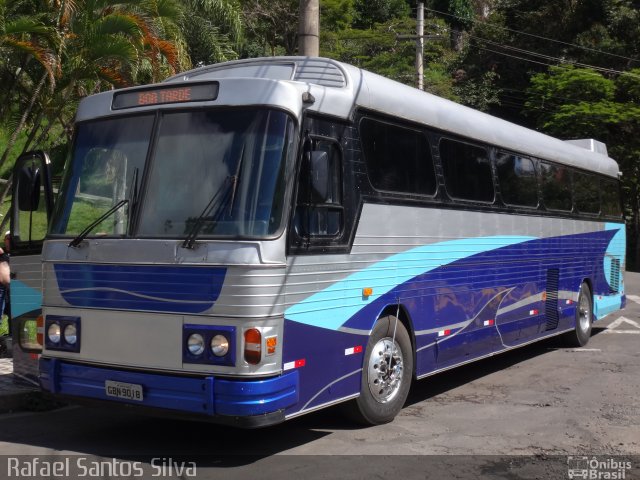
(5,275)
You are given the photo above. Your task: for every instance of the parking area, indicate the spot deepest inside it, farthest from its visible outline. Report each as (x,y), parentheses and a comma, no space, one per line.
(536,405)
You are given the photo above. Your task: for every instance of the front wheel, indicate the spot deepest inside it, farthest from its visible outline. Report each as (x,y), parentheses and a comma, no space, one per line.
(579,337)
(386,374)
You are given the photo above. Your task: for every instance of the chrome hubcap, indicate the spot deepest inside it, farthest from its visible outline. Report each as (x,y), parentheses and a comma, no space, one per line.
(385,370)
(584,312)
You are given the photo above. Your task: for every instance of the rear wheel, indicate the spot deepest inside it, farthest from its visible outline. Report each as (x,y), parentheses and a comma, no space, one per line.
(579,337)
(386,374)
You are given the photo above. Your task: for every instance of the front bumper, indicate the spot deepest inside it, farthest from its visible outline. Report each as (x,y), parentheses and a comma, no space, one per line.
(216,399)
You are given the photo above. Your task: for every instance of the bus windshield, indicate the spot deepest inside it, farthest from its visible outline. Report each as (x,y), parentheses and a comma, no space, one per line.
(224,170)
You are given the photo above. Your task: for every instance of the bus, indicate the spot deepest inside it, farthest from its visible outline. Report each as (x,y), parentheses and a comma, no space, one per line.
(251,241)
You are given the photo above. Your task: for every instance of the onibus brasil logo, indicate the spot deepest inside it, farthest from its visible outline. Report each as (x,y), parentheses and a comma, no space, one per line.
(592,468)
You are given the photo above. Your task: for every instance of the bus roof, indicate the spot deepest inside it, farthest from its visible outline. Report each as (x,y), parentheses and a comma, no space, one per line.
(338,89)
(374,92)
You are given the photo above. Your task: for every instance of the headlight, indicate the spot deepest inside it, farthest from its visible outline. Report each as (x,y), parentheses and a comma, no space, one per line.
(70,334)
(54,333)
(219,345)
(195,344)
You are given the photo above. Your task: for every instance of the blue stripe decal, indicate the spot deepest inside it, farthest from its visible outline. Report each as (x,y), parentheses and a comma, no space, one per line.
(384,276)
(175,289)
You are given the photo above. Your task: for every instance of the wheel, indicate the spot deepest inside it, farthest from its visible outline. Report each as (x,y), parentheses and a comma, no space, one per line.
(579,337)
(386,374)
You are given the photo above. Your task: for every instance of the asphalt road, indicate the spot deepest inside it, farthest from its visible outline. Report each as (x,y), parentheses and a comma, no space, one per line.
(517,415)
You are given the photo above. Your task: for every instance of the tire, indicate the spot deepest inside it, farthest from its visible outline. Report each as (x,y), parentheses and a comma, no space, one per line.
(579,337)
(383,391)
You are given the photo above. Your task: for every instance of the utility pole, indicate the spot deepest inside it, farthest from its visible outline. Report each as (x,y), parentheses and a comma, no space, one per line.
(419,37)
(420,46)
(309,29)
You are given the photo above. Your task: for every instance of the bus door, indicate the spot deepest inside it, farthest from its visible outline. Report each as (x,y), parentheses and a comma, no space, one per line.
(31,207)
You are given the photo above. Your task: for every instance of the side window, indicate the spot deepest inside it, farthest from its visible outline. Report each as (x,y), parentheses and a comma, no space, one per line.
(556,187)
(611,198)
(586,191)
(467,171)
(319,211)
(517,178)
(398,159)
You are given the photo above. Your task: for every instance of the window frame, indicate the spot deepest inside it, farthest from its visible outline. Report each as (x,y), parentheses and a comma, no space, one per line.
(421,132)
(534,161)
(488,149)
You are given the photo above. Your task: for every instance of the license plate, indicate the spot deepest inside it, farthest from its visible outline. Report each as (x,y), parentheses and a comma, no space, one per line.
(128,391)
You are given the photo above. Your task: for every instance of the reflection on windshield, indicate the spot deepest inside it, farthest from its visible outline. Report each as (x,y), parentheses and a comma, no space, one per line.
(105,158)
(197,154)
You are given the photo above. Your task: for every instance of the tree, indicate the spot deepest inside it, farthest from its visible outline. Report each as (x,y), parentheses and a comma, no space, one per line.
(272,27)
(102,44)
(213,30)
(581,103)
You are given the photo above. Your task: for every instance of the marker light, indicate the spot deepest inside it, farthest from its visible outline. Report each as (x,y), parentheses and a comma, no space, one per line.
(272,343)
(54,333)
(40,330)
(367,292)
(195,344)
(70,334)
(252,346)
(219,345)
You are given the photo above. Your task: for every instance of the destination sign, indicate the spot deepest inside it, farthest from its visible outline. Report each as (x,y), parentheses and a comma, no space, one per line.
(164,95)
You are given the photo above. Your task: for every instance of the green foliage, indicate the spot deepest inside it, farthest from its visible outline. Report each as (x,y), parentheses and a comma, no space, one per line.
(628,86)
(370,12)
(477,93)
(460,12)
(4,325)
(578,103)
(336,15)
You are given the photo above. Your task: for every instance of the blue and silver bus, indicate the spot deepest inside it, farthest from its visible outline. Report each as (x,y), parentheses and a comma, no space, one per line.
(251,241)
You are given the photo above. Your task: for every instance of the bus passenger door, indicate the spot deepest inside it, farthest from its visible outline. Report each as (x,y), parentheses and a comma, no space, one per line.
(31,207)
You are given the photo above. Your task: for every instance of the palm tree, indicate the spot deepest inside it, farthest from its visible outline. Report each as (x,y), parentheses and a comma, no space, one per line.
(103,44)
(212,30)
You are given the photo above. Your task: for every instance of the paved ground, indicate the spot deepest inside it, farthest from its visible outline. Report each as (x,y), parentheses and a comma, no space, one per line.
(540,403)
(13,396)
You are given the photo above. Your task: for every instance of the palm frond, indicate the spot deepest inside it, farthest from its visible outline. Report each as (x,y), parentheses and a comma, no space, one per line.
(117,23)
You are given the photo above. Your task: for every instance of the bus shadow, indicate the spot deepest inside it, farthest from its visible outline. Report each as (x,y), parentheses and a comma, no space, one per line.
(448,380)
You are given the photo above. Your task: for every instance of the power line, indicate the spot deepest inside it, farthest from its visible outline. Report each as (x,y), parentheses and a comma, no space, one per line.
(537,36)
(556,59)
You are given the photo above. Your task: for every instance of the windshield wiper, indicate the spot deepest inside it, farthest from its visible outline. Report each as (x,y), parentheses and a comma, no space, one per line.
(197,226)
(133,197)
(234,179)
(83,234)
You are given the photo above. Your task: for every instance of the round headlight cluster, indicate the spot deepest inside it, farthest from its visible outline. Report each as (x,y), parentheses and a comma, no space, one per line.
(70,334)
(54,333)
(196,345)
(219,345)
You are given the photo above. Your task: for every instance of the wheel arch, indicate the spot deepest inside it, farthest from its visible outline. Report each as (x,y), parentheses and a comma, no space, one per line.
(404,317)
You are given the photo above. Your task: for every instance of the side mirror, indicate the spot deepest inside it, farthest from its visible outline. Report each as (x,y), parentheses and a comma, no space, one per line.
(320,179)
(28,186)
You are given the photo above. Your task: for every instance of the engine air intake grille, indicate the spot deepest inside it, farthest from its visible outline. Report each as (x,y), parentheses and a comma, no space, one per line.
(319,72)
(614,277)
(551,304)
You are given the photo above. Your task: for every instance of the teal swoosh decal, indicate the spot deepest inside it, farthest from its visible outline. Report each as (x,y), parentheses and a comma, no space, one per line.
(24,298)
(336,304)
